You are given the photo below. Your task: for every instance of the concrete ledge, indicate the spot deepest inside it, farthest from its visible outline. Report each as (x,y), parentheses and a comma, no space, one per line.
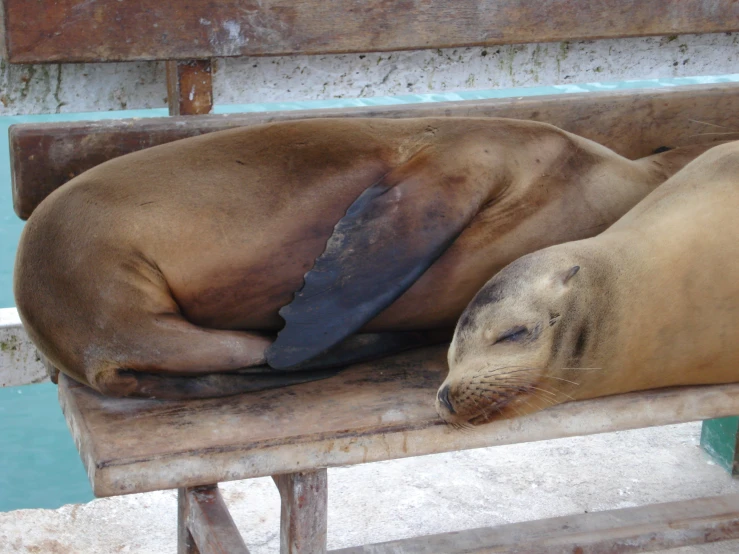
(19,362)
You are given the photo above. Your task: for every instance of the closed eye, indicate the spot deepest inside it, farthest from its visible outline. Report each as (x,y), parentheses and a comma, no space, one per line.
(513,334)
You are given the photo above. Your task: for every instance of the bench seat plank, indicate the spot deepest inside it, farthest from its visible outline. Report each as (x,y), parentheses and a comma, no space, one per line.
(370,412)
(632,122)
(641,529)
(111,30)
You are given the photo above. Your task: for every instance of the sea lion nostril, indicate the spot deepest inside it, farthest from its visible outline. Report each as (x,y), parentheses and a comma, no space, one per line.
(444,399)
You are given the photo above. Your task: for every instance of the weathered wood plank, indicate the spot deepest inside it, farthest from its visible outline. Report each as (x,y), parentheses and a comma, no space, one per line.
(189,87)
(633,123)
(210,524)
(642,529)
(375,411)
(185,542)
(3,32)
(107,30)
(303,516)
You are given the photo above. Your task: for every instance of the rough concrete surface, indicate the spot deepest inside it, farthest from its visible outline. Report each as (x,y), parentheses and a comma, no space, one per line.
(402,498)
(67,88)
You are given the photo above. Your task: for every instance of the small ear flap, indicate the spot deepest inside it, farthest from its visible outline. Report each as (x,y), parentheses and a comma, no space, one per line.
(570,274)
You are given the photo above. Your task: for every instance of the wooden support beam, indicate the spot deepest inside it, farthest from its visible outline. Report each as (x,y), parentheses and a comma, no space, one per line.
(303,518)
(111,30)
(643,529)
(633,123)
(189,87)
(185,542)
(204,523)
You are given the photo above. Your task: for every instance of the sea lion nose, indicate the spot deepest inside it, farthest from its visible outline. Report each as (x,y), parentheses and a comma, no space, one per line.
(444,399)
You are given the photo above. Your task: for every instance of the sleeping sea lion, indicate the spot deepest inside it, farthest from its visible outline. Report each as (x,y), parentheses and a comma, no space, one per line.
(161,273)
(651,302)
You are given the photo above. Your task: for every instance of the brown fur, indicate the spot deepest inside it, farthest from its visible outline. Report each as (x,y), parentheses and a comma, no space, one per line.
(174,260)
(655,303)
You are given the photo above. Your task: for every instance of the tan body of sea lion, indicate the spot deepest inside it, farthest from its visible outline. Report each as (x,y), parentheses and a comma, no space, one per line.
(153,274)
(652,302)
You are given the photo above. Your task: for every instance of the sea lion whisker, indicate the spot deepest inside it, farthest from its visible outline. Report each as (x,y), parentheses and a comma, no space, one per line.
(550,401)
(707,123)
(505,373)
(497,370)
(518,413)
(561,379)
(543,390)
(715,133)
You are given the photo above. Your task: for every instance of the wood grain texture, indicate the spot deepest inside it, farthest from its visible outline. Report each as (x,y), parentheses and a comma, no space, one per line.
(304,512)
(3,32)
(376,411)
(189,87)
(642,529)
(185,542)
(633,123)
(106,30)
(210,524)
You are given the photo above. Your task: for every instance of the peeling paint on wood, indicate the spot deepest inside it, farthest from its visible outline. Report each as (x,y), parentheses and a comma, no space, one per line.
(189,87)
(110,30)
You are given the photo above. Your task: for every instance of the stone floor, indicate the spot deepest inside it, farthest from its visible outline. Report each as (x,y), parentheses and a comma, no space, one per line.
(431,494)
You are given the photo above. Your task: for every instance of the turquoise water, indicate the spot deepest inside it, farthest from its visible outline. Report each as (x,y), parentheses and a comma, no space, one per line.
(39,465)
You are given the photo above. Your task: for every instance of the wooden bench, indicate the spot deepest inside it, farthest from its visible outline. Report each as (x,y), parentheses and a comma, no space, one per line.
(382,410)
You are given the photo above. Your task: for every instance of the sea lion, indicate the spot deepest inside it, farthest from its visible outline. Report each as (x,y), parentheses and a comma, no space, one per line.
(651,302)
(161,273)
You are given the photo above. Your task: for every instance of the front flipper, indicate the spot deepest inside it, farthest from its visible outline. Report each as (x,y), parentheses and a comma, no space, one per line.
(388,238)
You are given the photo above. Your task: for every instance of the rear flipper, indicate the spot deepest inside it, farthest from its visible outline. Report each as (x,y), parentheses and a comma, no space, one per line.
(214,385)
(170,358)
(356,349)
(364,347)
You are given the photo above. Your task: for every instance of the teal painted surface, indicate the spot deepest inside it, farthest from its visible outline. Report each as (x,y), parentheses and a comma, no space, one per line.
(719,440)
(39,465)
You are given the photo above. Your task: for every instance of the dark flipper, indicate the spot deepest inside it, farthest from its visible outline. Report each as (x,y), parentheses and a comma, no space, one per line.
(388,238)
(214,385)
(364,347)
(355,349)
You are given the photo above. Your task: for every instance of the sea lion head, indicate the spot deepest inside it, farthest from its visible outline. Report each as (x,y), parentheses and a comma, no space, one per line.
(511,340)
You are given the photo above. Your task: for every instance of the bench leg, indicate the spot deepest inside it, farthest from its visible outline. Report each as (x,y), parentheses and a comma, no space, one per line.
(185,542)
(303,520)
(204,525)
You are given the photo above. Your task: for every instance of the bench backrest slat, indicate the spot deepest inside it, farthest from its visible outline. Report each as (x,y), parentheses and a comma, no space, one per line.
(111,30)
(633,123)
